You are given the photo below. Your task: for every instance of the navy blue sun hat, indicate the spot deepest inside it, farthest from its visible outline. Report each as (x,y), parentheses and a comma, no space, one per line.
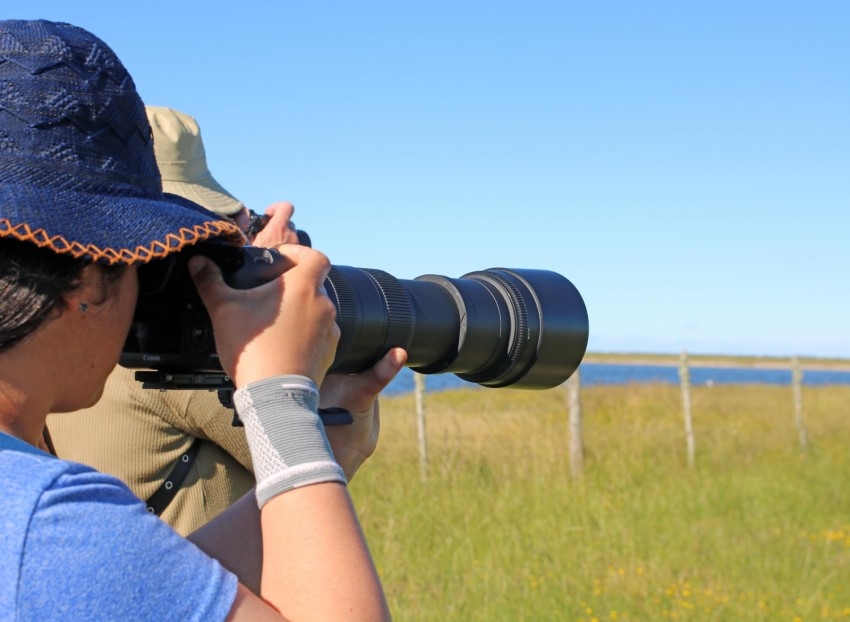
(77,166)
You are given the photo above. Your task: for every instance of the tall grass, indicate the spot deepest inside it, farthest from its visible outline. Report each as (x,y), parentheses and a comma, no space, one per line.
(500,531)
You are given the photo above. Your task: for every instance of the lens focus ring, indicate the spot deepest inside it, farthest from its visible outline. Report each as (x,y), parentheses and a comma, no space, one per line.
(399,312)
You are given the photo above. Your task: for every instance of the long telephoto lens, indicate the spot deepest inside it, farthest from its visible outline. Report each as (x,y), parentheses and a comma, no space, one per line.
(498,327)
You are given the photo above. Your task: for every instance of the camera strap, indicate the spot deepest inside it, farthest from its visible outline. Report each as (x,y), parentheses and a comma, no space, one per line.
(159,500)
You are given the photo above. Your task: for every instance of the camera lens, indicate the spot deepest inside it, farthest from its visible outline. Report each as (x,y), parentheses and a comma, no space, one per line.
(498,327)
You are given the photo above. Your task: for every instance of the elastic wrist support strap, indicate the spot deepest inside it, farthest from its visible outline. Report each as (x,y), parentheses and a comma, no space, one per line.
(286,436)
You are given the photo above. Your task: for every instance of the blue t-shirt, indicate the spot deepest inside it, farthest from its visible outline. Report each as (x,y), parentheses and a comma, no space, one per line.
(76,544)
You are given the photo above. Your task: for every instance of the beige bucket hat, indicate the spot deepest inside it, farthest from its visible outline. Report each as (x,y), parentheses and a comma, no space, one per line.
(182,161)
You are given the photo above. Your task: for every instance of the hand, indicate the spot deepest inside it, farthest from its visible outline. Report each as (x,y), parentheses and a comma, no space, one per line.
(358,394)
(284,326)
(279,229)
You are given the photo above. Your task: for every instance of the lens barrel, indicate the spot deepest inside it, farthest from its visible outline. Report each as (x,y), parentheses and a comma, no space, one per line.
(498,327)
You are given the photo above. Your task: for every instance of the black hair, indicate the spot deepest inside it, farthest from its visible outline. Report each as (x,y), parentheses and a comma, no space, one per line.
(32,283)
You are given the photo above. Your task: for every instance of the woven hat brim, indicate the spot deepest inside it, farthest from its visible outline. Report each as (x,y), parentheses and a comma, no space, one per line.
(104,230)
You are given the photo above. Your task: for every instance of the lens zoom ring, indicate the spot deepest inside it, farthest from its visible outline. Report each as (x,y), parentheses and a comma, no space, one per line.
(399,311)
(346,310)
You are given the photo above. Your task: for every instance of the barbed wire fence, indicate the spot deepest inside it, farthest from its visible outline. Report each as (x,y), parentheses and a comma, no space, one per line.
(576,432)
(685,382)
(799,413)
(572,388)
(687,410)
(419,401)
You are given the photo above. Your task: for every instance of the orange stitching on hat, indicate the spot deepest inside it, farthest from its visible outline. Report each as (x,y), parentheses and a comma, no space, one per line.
(156,250)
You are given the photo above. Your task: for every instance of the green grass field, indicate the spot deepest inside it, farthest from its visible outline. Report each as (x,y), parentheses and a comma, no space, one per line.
(501,531)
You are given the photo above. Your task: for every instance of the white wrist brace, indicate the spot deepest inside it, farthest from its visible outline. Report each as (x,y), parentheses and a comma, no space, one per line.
(286,436)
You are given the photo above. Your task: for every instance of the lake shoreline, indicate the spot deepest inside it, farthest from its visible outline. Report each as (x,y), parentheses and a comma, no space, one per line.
(716,360)
(621,368)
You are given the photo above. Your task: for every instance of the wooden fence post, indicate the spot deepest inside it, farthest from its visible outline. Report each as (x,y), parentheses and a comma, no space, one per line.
(576,433)
(419,396)
(685,378)
(799,413)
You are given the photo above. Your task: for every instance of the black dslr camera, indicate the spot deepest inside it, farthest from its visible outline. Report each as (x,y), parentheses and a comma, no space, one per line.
(497,328)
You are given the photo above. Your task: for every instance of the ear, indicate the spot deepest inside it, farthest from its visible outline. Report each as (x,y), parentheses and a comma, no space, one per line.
(87,290)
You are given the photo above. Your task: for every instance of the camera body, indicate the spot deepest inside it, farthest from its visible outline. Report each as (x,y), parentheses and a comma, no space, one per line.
(499,327)
(171,329)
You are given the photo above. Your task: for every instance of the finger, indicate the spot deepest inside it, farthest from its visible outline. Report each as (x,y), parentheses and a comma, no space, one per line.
(279,228)
(307,259)
(281,209)
(206,276)
(376,378)
(388,367)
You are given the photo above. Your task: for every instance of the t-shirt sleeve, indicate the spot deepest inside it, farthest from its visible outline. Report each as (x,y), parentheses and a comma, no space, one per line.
(93,552)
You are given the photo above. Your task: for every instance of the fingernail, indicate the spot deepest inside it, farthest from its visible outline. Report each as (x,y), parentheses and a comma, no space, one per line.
(399,357)
(195,265)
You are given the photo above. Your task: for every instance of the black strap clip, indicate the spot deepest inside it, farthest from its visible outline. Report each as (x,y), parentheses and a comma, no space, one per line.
(159,500)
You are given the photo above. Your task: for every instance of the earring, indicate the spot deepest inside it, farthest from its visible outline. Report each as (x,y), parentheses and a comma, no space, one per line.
(84,306)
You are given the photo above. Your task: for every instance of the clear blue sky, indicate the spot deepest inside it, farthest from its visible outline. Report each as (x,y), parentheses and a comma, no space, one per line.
(685,164)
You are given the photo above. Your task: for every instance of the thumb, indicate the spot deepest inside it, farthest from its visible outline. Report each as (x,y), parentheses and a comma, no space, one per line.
(376,378)
(387,368)
(206,275)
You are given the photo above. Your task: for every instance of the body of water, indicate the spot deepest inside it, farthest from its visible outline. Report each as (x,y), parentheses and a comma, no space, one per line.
(593,374)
